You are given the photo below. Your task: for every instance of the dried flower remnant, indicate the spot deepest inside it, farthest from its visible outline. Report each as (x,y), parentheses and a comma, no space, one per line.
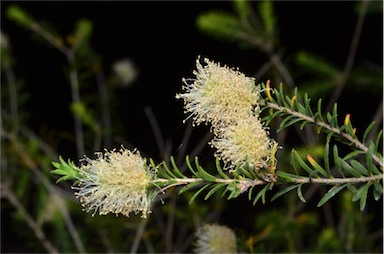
(213,238)
(219,95)
(116,182)
(246,141)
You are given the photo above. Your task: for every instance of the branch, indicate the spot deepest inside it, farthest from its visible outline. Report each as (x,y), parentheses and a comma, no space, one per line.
(11,197)
(348,137)
(336,181)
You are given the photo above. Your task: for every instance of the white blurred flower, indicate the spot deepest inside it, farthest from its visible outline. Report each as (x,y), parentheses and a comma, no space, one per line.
(125,72)
(213,238)
(4,41)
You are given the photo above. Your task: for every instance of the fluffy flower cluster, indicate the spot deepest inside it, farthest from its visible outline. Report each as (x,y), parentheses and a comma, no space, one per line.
(246,141)
(213,238)
(219,94)
(229,101)
(115,182)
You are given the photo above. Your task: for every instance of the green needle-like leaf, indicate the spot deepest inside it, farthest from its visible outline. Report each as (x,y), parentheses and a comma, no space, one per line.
(189,186)
(311,172)
(300,194)
(283,191)
(68,171)
(359,167)
(219,169)
(197,193)
(175,168)
(366,132)
(330,194)
(214,189)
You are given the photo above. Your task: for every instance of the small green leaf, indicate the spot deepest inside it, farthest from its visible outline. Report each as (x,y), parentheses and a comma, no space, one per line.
(366,132)
(326,154)
(287,176)
(168,173)
(288,123)
(301,109)
(307,105)
(245,172)
(360,192)
(293,162)
(261,194)
(213,190)
(283,191)
(378,139)
(219,169)
(303,124)
(190,166)
(357,165)
(17,14)
(330,194)
(345,166)
(219,24)
(68,171)
(369,159)
(300,194)
(189,186)
(351,188)
(334,114)
(205,175)
(268,18)
(337,161)
(175,168)
(83,30)
(242,8)
(361,195)
(250,192)
(303,164)
(319,110)
(352,154)
(316,165)
(377,190)
(197,193)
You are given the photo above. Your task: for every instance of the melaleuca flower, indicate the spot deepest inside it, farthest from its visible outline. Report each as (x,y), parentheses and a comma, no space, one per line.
(116,182)
(215,239)
(218,94)
(244,142)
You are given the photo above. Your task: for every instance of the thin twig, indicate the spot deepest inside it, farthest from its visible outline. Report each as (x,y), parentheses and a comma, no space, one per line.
(105,112)
(139,235)
(337,181)
(255,182)
(20,149)
(155,128)
(74,80)
(11,197)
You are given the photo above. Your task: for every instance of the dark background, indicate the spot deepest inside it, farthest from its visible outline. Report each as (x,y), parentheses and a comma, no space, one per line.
(162,39)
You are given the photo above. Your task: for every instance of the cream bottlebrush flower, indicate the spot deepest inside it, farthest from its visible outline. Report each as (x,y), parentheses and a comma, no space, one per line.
(244,142)
(218,94)
(116,182)
(213,238)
